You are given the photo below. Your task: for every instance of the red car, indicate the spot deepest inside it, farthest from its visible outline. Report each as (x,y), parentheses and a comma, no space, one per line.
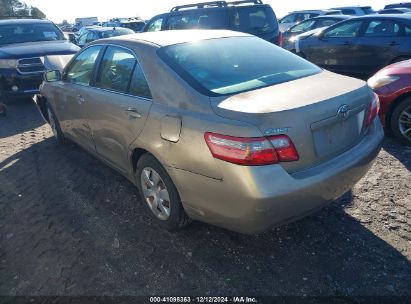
(393,86)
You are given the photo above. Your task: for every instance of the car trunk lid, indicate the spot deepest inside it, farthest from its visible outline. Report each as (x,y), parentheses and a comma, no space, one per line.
(323,114)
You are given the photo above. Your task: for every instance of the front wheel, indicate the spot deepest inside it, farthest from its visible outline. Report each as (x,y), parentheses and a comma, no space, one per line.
(401,121)
(55,126)
(160,194)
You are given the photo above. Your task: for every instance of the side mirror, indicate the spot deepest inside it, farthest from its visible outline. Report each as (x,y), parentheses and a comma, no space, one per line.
(52,76)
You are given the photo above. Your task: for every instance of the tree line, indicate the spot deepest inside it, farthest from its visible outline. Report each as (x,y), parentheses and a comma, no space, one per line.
(18,8)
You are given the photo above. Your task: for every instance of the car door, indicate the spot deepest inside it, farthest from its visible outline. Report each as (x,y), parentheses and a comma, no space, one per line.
(73,95)
(380,44)
(335,48)
(119,105)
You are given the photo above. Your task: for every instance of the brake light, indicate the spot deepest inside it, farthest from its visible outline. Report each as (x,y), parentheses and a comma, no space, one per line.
(280,39)
(255,151)
(373,110)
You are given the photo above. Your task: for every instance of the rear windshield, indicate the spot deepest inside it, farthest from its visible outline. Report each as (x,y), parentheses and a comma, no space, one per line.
(253,20)
(368,10)
(235,64)
(406,5)
(20,33)
(116,32)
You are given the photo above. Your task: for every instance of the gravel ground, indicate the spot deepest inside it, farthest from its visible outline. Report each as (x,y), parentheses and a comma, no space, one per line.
(69,225)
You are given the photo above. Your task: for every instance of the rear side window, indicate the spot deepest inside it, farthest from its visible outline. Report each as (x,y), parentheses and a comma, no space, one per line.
(116,70)
(139,86)
(253,20)
(382,28)
(81,70)
(235,64)
(408,31)
(346,30)
(207,19)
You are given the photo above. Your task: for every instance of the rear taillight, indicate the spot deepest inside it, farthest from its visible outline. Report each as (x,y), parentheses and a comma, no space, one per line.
(256,151)
(373,110)
(280,39)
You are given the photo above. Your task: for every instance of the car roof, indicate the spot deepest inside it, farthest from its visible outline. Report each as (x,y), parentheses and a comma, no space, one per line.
(348,7)
(107,28)
(403,17)
(314,11)
(23,21)
(342,17)
(165,38)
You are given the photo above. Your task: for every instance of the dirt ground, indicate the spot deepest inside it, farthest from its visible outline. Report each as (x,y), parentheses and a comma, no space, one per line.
(69,225)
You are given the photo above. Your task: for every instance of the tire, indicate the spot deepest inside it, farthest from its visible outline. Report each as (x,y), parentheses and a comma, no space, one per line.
(398,126)
(55,126)
(152,192)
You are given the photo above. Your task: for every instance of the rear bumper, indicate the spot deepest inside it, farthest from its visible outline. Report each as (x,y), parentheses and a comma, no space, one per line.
(252,199)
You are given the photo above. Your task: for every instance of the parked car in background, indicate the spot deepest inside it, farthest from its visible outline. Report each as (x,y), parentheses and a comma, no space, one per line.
(356,10)
(397,5)
(400,10)
(296,17)
(220,143)
(101,33)
(26,45)
(360,46)
(393,86)
(85,21)
(86,29)
(135,24)
(290,35)
(252,17)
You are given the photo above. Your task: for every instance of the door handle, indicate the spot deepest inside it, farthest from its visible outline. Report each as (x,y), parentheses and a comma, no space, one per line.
(393,43)
(132,113)
(80,99)
(347,43)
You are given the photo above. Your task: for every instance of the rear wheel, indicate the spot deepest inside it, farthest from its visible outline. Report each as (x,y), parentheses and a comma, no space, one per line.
(55,126)
(160,194)
(401,121)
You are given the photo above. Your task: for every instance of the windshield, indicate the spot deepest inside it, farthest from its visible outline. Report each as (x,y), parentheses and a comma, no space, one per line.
(254,20)
(20,33)
(235,64)
(368,10)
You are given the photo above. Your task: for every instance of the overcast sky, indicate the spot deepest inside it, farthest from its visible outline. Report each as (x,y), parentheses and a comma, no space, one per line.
(57,10)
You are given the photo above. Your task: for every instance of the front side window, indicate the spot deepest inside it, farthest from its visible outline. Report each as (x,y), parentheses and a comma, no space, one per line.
(116,69)
(303,26)
(235,64)
(81,70)
(346,30)
(382,28)
(20,33)
(155,25)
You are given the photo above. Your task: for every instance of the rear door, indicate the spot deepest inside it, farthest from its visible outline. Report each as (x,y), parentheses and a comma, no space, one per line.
(380,44)
(336,49)
(119,105)
(73,96)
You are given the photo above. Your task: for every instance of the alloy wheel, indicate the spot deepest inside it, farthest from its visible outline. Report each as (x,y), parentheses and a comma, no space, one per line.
(155,193)
(405,123)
